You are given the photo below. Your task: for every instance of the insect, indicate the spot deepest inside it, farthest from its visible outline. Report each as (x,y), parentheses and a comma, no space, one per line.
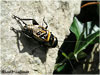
(37,32)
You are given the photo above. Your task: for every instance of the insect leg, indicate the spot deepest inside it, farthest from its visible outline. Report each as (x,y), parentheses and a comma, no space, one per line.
(45,23)
(20,21)
(17,32)
(13,29)
(33,21)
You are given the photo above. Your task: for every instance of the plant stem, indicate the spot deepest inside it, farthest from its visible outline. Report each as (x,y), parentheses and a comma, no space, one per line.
(89,3)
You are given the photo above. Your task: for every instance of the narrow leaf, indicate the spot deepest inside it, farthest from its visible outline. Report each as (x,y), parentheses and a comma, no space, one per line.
(86,42)
(61,67)
(64,54)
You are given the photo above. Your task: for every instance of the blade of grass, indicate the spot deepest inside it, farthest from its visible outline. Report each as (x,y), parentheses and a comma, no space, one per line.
(86,42)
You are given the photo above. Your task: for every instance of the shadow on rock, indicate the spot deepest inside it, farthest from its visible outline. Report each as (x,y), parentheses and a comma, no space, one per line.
(31,46)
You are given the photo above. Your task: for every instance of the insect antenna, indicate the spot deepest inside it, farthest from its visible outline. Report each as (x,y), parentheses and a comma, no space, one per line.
(45,23)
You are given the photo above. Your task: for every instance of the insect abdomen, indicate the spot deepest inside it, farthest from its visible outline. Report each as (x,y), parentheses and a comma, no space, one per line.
(52,41)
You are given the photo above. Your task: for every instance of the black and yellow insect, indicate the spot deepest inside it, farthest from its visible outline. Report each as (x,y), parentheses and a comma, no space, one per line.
(37,32)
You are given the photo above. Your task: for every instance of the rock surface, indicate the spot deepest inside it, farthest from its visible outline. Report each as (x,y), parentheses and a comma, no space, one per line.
(18,53)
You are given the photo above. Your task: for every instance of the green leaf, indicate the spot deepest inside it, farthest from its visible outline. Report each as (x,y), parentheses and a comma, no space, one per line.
(85,43)
(64,54)
(61,67)
(85,34)
(90,28)
(58,65)
(76,27)
(78,43)
(96,40)
(81,55)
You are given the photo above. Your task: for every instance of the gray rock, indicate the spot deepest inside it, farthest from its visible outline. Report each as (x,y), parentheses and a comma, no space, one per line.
(18,57)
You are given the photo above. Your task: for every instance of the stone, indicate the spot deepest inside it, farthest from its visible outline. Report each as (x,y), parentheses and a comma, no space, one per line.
(18,53)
